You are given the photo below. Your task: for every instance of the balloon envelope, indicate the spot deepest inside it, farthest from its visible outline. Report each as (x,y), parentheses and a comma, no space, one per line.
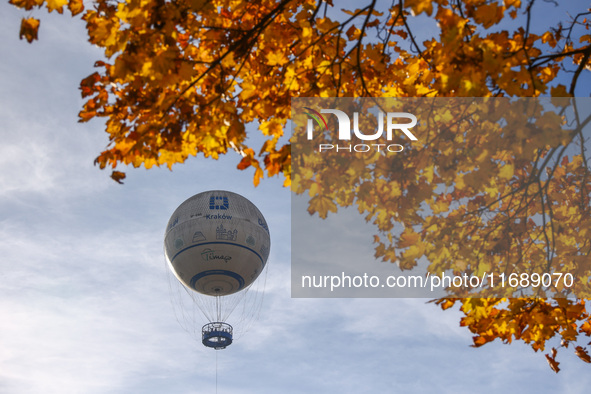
(217,243)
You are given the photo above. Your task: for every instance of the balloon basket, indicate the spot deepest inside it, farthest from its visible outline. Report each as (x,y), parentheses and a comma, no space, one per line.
(217,335)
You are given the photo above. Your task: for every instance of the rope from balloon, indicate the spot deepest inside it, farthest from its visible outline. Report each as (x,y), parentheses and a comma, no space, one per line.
(217,335)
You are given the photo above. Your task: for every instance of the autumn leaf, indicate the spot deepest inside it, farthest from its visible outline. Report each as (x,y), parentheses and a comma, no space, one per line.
(408,239)
(445,303)
(488,14)
(29,29)
(507,171)
(276,59)
(321,205)
(581,352)
(26,4)
(56,5)
(420,6)
(75,6)
(559,91)
(553,363)
(118,176)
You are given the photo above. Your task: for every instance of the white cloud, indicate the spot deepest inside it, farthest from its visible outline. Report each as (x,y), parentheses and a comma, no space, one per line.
(83,312)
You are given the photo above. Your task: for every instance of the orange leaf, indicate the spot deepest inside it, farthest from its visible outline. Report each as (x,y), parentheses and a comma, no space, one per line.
(29,29)
(586,327)
(447,304)
(258,175)
(244,163)
(76,7)
(478,341)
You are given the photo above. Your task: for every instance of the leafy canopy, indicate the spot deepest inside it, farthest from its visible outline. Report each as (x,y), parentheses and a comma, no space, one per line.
(184,77)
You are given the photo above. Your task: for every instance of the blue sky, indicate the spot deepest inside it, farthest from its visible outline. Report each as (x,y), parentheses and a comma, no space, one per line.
(84,298)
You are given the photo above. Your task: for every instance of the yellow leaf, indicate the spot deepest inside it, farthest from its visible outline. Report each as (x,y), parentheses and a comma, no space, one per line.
(248,90)
(408,239)
(276,58)
(321,205)
(313,189)
(507,171)
(76,7)
(428,174)
(56,5)
(440,206)
(273,127)
(419,6)
(306,32)
(548,37)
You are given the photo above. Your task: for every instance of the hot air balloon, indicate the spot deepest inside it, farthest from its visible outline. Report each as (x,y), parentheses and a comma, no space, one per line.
(217,244)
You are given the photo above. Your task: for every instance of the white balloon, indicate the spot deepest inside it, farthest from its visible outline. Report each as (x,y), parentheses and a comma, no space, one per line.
(217,243)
